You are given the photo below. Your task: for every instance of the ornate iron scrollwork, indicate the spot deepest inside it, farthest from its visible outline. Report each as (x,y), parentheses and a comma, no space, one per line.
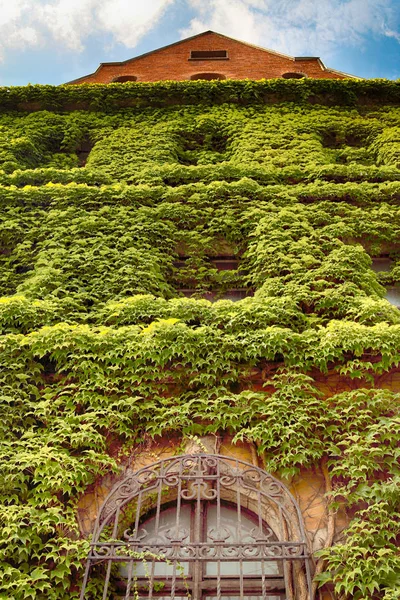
(207,525)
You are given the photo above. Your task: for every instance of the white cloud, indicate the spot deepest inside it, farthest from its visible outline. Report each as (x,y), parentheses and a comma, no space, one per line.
(296,26)
(10,12)
(233,16)
(129,20)
(69,22)
(393,34)
(15,29)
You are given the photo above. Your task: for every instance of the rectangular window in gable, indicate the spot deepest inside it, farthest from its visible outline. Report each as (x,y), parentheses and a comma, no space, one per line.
(208,55)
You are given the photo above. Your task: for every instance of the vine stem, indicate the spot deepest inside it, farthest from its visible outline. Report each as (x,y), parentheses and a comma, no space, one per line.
(254,454)
(302,592)
(289,570)
(330,524)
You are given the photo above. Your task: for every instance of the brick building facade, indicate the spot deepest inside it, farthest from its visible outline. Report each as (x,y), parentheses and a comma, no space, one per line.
(210,55)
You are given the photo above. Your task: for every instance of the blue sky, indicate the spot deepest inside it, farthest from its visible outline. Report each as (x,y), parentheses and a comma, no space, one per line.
(53,41)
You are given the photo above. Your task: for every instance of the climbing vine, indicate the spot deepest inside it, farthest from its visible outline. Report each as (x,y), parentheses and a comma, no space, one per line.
(114,200)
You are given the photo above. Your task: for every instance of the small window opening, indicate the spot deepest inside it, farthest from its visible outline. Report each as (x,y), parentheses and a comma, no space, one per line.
(208,55)
(294,75)
(393,295)
(222,263)
(338,139)
(124,79)
(225,263)
(207,76)
(199,147)
(49,366)
(233,294)
(83,151)
(381,264)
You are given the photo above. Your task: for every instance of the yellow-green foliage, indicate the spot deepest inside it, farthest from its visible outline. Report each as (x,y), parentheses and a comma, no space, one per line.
(100,350)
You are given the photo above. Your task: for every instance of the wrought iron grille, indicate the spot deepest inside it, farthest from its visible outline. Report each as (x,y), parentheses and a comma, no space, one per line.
(203,526)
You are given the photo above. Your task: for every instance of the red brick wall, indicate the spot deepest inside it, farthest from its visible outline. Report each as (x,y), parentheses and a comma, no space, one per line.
(245,62)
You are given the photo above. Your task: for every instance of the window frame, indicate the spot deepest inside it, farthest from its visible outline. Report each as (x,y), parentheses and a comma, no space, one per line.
(205,57)
(197,478)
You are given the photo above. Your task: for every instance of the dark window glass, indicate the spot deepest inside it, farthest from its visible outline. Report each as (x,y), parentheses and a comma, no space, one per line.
(234,295)
(208,76)
(225,263)
(206,523)
(222,263)
(208,54)
(124,79)
(393,295)
(293,76)
(381,264)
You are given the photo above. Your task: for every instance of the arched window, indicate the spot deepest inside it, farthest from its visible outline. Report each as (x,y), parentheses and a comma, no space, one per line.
(208,76)
(124,79)
(208,526)
(294,75)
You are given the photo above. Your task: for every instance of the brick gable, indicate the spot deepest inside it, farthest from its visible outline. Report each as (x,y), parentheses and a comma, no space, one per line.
(243,61)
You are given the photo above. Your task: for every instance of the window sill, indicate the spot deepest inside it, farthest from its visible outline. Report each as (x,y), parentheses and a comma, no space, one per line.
(215,58)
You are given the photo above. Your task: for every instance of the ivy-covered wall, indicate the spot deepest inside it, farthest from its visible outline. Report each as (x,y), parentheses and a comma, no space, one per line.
(108,212)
